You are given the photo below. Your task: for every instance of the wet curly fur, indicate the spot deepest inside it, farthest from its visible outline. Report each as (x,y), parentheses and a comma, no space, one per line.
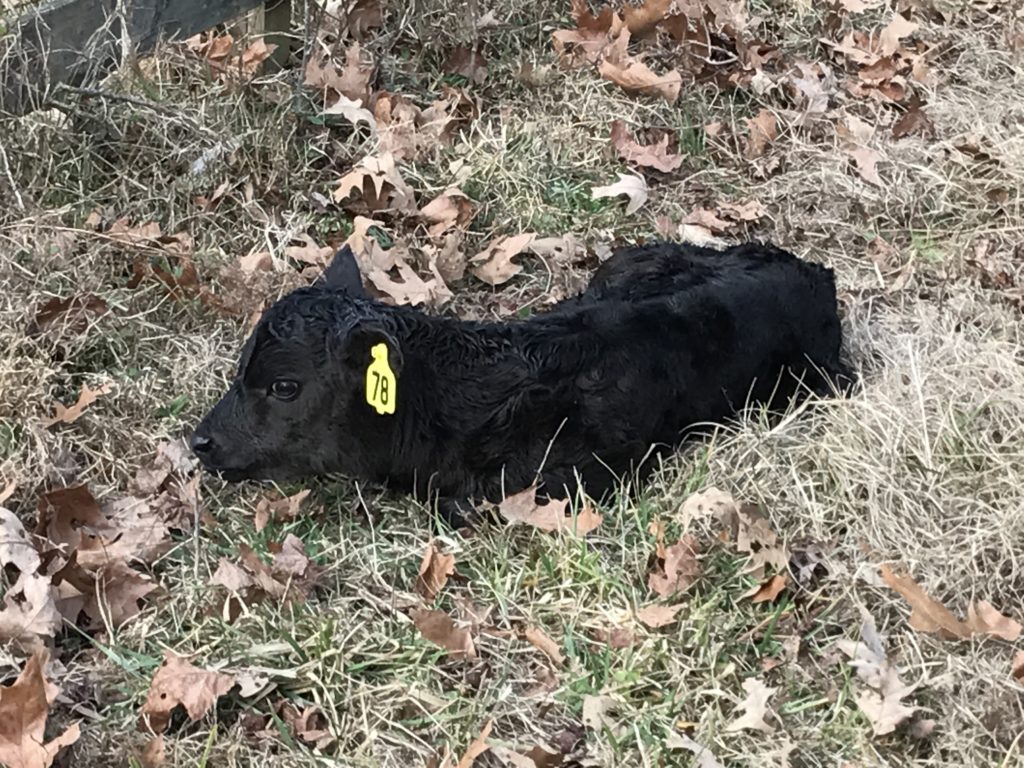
(666,338)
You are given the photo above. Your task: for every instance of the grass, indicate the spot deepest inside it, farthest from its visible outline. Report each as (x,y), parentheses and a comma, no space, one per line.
(923,466)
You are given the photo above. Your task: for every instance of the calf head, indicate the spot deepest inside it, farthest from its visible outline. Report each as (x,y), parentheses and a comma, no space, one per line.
(298,400)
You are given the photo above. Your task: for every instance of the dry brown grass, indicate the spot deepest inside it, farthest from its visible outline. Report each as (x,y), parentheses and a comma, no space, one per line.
(923,466)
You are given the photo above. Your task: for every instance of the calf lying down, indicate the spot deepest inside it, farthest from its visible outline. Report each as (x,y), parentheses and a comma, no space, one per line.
(666,339)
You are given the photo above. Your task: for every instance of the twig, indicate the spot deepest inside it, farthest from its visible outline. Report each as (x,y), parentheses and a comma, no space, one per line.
(10,178)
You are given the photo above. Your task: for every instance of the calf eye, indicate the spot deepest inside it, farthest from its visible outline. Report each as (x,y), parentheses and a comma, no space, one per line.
(284,389)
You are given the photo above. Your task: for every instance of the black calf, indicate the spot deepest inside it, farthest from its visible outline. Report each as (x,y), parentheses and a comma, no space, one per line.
(665,339)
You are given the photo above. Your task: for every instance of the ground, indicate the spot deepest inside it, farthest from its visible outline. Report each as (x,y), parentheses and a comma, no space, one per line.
(921,469)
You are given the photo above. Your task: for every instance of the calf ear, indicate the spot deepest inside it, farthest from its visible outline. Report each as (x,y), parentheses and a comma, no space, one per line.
(363,338)
(343,273)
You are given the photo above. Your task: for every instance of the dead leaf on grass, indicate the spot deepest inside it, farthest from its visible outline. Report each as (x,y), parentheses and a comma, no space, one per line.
(24,709)
(763,129)
(633,76)
(769,590)
(634,187)
(882,702)
(352,81)
(154,754)
(753,535)
(71,314)
(655,156)
(1017,667)
(69,414)
(286,509)
(537,757)
(549,516)
(539,640)
(435,568)
(894,32)
(914,122)
(468,62)
(232,577)
(755,707)
(705,758)
(30,616)
(15,547)
(440,629)
(449,210)
(410,288)
(497,266)
(642,20)
(927,615)
(352,110)
(866,160)
(309,252)
(743,210)
(984,619)
(678,569)
(476,748)
(379,185)
(656,616)
(178,682)
(706,219)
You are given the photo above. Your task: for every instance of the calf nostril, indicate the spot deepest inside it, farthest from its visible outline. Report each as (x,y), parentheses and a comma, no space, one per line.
(201,444)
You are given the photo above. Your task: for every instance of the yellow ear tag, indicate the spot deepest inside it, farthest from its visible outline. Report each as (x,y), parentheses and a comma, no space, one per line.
(380,381)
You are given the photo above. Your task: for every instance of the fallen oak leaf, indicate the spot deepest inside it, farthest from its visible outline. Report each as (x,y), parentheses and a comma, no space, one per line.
(178,682)
(435,568)
(679,569)
(631,185)
(30,615)
(702,217)
(448,210)
(550,516)
(771,589)
(440,629)
(657,616)
(654,156)
(477,747)
(984,619)
(86,397)
(1017,667)
(468,62)
(705,758)
(642,20)
(755,707)
(882,703)
(927,615)
(895,30)
(353,81)
(497,266)
(24,709)
(634,76)
(763,128)
(15,547)
(353,111)
(154,754)
(542,642)
(866,160)
(71,314)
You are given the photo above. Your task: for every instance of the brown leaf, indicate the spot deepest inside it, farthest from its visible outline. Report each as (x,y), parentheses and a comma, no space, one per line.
(927,615)
(115,592)
(537,757)
(268,509)
(754,536)
(290,559)
(589,41)
(470,64)
(631,185)
(633,76)
(745,210)
(309,252)
(30,615)
(24,708)
(451,209)
(477,747)
(882,703)
(755,707)
(410,289)
(231,576)
(656,616)
(896,30)
(497,266)
(123,529)
(69,414)
(178,682)
(549,516)
(984,619)
(1017,667)
(679,569)
(439,628)
(704,756)
(644,19)
(435,568)
(763,130)
(154,754)
(70,315)
(771,589)
(654,156)
(915,121)
(539,640)
(379,185)
(353,81)
(15,547)
(702,217)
